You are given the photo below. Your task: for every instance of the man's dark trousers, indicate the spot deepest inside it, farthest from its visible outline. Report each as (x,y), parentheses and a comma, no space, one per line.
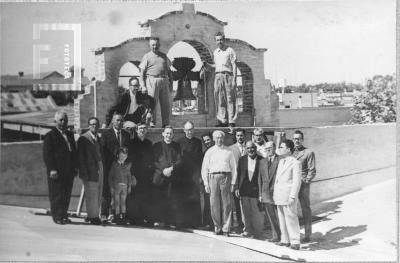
(304,198)
(60,194)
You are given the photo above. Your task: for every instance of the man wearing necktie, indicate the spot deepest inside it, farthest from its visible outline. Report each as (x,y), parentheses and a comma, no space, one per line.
(59,154)
(285,196)
(91,169)
(266,187)
(112,139)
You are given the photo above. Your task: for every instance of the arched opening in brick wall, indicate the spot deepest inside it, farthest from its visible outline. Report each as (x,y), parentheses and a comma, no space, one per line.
(128,70)
(196,50)
(245,87)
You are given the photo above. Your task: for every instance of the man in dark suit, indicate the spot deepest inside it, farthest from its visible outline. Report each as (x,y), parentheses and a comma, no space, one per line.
(133,105)
(308,172)
(206,219)
(112,139)
(250,168)
(266,185)
(168,181)
(239,150)
(192,155)
(91,169)
(139,202)
(59,154)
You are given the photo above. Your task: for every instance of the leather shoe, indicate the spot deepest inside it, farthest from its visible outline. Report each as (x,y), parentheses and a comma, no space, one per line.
(306,240)
(206,227)
(245,234)
(283,244)
(59,221)
(295,247)
(226,234)
(95,221)
(67,221)
(218,233)
(274,240)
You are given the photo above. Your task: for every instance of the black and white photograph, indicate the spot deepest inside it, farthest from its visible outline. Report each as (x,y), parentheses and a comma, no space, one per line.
(242,130)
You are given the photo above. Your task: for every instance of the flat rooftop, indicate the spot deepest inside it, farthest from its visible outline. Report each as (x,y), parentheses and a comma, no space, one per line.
(357,227)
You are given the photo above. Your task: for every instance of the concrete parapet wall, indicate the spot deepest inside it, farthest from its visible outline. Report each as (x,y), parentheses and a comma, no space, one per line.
(23,171)
(313,117)
(348,158)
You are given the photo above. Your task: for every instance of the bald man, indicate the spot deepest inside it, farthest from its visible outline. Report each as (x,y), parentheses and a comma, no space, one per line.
(60,157)
(250,168)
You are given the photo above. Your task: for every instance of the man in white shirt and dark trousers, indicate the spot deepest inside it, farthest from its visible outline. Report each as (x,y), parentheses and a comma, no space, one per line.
(225,82)
(219,176)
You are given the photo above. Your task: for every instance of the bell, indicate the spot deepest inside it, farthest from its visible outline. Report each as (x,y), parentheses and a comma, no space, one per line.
(184,91)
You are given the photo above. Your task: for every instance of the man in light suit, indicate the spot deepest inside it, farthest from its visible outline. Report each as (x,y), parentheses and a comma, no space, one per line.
(250,168)
(266,186)
(91,169)
(308,171)
(286,191)
(111,139)
(59,154)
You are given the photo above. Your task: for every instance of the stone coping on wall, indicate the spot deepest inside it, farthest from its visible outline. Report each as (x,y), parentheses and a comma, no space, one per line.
(317,108)
(265,128)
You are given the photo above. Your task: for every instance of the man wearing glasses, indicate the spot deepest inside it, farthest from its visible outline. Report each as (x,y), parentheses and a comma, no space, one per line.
(91,169)
(140,153)
(134,105)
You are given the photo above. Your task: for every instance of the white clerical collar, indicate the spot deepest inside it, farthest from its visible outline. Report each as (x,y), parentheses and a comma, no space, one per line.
(93,135)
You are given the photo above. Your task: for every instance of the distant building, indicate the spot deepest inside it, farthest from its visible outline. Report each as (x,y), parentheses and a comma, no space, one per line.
(23,83)
(291,100)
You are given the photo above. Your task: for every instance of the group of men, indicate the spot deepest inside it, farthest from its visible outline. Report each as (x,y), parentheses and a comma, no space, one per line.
(188,182)
(154,85)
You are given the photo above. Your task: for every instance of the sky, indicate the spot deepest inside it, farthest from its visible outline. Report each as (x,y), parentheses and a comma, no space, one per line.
(308,41)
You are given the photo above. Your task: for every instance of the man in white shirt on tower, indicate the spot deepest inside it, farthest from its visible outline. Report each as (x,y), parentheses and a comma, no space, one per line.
(225,82)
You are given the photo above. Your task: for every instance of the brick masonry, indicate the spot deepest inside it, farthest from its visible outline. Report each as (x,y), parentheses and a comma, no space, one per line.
(198,30)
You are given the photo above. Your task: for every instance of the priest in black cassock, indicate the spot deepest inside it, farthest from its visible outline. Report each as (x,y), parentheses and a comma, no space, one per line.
(139,202)
(168,181)
(192,155)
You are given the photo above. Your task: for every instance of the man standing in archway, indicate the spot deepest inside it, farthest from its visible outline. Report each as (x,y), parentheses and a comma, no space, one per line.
(156,79)
(225,82)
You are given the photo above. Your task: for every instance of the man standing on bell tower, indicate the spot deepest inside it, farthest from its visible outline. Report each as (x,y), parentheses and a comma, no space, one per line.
(225,82)
(156,79)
